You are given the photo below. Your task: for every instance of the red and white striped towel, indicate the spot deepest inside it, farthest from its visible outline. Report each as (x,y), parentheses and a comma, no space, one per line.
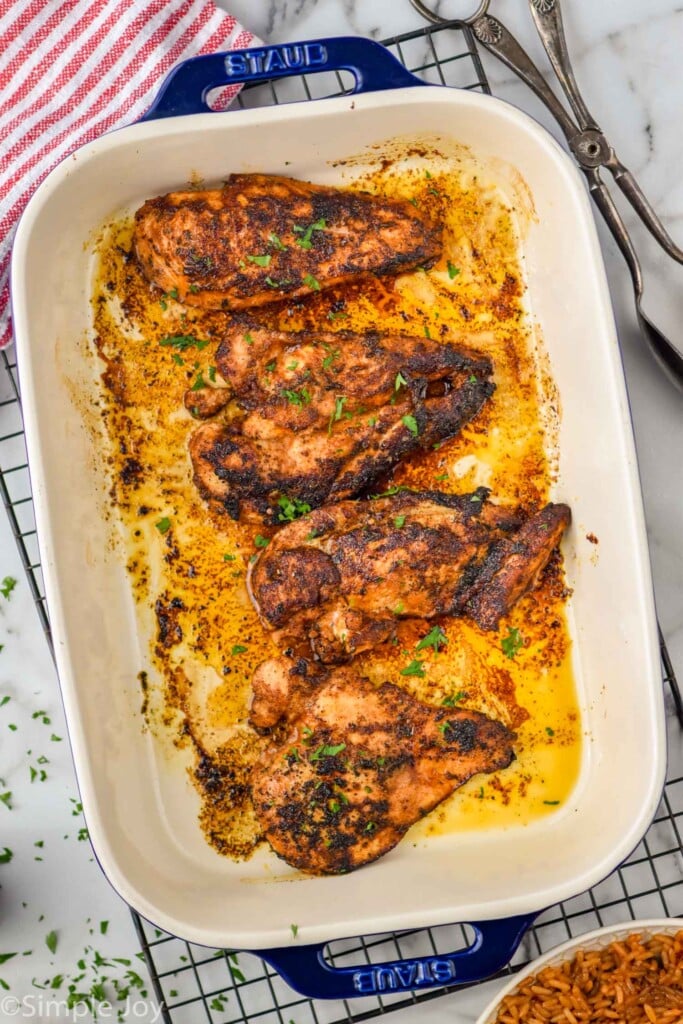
(74,69)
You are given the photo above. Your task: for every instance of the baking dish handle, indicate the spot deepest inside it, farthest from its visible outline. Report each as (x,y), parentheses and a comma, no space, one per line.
(305,969)
(187,85)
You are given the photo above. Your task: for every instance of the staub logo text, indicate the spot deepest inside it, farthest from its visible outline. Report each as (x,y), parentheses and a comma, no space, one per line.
(276,58)
(406,975)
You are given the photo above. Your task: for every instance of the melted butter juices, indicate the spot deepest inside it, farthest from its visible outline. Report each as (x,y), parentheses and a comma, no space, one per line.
(188,565)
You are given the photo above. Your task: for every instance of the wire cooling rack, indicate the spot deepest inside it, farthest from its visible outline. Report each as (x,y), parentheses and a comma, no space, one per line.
(194,984)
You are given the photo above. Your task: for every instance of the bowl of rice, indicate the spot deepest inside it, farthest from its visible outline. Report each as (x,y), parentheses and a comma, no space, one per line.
(622,974)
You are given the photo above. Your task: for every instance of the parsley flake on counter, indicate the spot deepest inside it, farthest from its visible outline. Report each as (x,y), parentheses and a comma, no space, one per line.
(453,271)
(4,957)
(5,700)
(163,525)
(434,638)
(411,423)
(415,668)
(261,542)
(261,261)
(512,643)
(7,586)
(6,855)
(291,509)
(295,929)
(51,941)
(312,282)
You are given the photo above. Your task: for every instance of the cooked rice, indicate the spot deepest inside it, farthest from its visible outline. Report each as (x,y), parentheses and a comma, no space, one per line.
(627,982)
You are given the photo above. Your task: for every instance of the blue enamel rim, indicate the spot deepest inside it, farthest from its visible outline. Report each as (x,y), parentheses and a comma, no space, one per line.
(374,68)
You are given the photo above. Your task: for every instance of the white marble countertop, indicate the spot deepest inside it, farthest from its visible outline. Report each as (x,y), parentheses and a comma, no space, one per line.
(627,59)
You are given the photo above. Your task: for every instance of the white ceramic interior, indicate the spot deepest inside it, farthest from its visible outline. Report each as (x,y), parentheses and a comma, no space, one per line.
(139,806)
(595,940)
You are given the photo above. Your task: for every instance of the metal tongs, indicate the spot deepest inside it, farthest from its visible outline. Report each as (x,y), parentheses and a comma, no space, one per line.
(591,149)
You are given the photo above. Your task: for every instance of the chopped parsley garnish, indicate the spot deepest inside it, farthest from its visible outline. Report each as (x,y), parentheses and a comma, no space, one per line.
(327,750)
(274,284)
(551,803)
(292,366)
(178,359)
(472,379)
(400,382)
(329,359)
(414,202)
(428,176)
(163,525)
(300,397)
(291,509)
(453,698)
(434,638)
(194,288)
(411,423)
(212,374)
(248,338)
(270,366)
(238,649)
(512,643)
(7,586)
(396,489)
(441,476)
(370,827)
(551,732)
(337,316)
(307,233)
(229,558)
(275,242)
(338,411)
(399,609)
(199,383)
(453,271)
(261,542)
(399,521)
(183,341)
(261,261)
(312,282)
(427,332)
(313,534)
(414,669)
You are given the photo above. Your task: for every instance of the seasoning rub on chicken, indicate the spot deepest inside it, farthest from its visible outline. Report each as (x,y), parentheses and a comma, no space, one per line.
(360,765)
(262,238)
(342,576)
(322,416)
